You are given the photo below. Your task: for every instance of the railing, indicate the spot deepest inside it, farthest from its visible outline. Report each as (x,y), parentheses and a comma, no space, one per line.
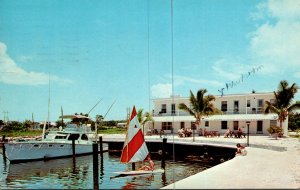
(228,112)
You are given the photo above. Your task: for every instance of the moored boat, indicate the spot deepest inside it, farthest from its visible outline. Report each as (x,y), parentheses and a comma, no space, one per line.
(55,144)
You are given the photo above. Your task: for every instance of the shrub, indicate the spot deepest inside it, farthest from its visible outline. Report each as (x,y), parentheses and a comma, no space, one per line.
(274,129)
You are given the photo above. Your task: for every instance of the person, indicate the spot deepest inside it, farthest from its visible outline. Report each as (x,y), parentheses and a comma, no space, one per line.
(148,167)
(239,133)
(241,150)
(180,132)
(227,133)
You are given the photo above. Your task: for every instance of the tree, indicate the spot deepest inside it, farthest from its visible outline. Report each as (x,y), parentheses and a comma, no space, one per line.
(283,101)
(200,106)
(144,118)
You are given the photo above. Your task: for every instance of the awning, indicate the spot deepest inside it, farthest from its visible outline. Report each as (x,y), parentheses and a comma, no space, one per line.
(231,117)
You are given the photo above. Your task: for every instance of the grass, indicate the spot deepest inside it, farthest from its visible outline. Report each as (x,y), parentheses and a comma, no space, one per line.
(111,130)
(33,133)
(30,133)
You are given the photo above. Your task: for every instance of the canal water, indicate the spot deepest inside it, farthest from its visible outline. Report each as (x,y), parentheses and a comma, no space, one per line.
(78,174)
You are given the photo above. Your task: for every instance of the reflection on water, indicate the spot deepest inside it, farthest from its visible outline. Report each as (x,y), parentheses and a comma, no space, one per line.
(78,174)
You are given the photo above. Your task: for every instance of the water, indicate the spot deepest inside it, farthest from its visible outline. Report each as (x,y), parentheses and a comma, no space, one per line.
(67,174)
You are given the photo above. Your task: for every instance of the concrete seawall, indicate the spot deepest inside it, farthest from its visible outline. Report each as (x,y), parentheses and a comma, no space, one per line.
(269,164)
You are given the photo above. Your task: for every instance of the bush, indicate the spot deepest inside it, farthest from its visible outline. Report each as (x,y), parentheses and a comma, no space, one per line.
(274,129)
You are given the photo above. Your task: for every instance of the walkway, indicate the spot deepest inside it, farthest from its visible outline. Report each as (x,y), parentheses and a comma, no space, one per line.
(270,163)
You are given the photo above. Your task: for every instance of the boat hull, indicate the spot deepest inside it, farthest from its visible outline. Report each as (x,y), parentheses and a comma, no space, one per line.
(30,151)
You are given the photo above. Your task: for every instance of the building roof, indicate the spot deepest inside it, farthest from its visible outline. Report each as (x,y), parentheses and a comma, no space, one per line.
(231,117)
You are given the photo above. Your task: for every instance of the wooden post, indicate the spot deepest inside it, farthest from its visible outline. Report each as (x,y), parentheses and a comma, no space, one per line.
(3,141)
(95,166)
(101,146)
(3,150)
(163,156)
(73,147)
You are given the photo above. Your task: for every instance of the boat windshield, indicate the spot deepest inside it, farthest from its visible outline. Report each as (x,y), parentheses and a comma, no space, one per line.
(73,137)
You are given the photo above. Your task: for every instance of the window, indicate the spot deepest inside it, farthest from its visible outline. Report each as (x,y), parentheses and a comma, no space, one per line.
(236,106)
(182,125)
(166,126)
(224,106)
(84,137)
(235,125)
(260,103)
(173,109)
(206,124)
(60,137)
(248,103)
(163,108)
(224,125)
(73,137)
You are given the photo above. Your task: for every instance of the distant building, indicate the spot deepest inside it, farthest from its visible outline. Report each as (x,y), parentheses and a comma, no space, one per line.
(237,110)
(121,125)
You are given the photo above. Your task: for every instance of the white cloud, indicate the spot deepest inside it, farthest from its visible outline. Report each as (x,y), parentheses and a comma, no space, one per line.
(11,73)
(183,80)
(276,44)
(161,90)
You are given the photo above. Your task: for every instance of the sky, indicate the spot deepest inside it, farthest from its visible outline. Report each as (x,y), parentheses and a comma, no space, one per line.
(125,53)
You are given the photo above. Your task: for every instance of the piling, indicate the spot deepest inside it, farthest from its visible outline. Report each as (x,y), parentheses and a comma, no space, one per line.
(163,155)
(95,166)
(73,147)
(3,150)
(3,141)
(101,146)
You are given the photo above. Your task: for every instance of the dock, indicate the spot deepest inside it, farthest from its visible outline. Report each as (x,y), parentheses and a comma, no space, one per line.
(269,164)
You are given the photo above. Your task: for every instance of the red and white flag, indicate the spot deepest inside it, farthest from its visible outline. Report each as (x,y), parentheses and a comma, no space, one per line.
(135,148)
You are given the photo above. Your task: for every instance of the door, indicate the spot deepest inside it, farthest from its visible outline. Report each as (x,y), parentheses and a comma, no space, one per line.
(259,127)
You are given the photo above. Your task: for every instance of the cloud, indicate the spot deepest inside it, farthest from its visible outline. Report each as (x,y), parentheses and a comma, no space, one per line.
(161,90)
(231,69)
(11,73)
(276,42)
(183,80)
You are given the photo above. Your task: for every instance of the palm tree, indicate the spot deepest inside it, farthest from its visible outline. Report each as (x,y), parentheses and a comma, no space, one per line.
(200,106)
(283,101)
(144,118)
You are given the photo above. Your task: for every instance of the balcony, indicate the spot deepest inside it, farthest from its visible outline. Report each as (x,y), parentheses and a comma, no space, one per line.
(228,112)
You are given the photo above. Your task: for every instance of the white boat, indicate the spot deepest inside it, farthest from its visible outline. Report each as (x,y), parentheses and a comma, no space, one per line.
(135,148)
(55,144)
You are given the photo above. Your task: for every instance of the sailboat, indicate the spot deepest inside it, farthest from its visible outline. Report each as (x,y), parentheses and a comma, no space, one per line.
(135,148)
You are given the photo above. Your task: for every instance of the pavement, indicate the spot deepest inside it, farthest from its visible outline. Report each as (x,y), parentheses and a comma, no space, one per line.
(269,164)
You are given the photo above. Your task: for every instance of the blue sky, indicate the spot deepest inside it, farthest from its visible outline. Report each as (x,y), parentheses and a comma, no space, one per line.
(98,49)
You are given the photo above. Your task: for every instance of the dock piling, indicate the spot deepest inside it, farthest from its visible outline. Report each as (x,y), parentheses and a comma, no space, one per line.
(95,166)
(163,156)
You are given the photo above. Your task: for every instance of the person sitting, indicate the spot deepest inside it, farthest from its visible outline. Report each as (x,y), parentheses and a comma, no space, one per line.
(227,133)
(239,133)
(180,132)
(148,167)
(241,150)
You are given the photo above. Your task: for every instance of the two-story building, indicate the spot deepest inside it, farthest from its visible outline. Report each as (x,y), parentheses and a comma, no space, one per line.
(237,110)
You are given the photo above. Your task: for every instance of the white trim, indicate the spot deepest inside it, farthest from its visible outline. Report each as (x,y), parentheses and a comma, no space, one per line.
(231,117)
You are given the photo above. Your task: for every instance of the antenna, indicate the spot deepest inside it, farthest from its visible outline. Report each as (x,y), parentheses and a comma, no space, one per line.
(94,106)
(110,108)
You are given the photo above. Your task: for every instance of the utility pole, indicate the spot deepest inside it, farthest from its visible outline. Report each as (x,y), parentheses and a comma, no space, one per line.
(5,116)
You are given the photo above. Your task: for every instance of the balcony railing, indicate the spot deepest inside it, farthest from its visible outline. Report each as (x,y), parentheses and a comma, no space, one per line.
(228,112)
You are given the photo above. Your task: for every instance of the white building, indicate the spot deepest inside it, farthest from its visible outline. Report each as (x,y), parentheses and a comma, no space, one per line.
(237,110)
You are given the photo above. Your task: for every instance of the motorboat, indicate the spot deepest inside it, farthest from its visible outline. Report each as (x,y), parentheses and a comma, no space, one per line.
(55,144)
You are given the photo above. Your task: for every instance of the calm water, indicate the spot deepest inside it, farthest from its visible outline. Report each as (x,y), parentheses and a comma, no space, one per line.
(66,174)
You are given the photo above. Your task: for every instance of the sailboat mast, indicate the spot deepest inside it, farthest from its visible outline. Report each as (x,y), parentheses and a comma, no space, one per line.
(48,116)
